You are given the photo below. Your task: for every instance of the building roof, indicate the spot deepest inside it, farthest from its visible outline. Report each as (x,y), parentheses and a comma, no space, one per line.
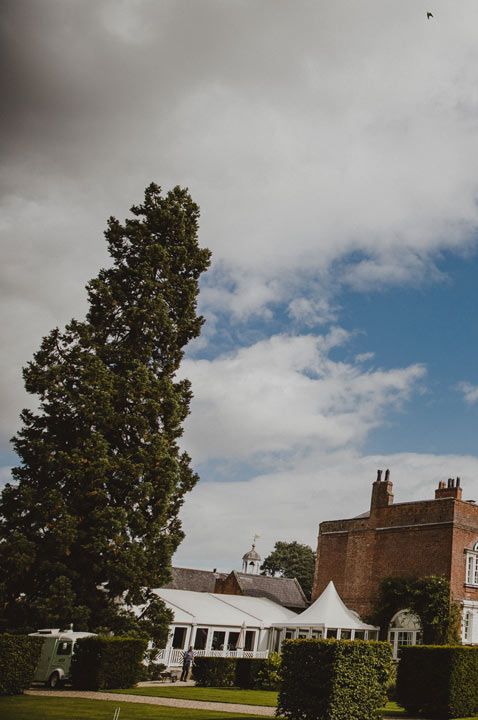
(195,580)
(284,591)
(330,611)
(223,610)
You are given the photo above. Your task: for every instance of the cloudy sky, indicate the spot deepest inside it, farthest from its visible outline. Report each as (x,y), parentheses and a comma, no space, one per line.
(332,148)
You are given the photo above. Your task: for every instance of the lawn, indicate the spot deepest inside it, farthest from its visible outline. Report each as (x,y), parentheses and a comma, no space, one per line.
(25,707)
(223,695)
(227,695)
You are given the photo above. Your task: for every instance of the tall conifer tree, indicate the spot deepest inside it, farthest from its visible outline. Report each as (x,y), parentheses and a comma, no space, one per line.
(92,521)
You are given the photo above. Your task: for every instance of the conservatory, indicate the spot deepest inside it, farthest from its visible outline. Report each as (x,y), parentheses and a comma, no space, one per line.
(327,617)
(218,625)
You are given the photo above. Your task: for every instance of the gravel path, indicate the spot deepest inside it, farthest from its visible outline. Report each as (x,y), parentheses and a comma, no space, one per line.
(169,702)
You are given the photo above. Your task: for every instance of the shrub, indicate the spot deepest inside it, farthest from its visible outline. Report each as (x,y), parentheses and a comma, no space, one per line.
(246,672)
(19,656)
(440,681)
(107,662)
(214,672)
(269,674)
(334,679)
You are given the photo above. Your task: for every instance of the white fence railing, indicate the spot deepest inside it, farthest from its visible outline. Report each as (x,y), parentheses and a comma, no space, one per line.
(174,656)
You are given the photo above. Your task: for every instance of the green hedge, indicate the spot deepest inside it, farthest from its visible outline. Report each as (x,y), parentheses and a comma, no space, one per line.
(245,673)
(214,672)
(102,662)
(334,679)
(19,656)
(439,680)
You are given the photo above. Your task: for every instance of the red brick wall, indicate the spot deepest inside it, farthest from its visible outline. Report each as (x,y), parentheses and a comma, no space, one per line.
(407,539)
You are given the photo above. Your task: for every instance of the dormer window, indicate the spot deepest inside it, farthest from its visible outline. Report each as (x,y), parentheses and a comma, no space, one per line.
(472,565)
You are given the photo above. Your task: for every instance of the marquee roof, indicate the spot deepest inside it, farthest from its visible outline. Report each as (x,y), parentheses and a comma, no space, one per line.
(329,611)
(223,610)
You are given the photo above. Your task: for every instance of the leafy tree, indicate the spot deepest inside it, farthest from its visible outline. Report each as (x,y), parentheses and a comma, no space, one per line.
(92,521)
(429,598)
(291,560)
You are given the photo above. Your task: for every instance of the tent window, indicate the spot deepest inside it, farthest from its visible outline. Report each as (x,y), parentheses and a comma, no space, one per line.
(345,634)
(201,639)
(316,634)
(232,640)
(360,634)
(250,639)
(179,637)
(218,640)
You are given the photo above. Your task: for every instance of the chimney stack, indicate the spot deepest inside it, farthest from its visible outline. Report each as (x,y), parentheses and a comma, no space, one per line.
(382,491)
(449,489)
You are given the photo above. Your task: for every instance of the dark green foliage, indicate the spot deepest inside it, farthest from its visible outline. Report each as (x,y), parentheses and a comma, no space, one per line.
(428,598)
(19,656)
(244,673)
(214,672)
(94,514)
(440,681)
(269,675)
(292,560)
(101,663)
(334,679)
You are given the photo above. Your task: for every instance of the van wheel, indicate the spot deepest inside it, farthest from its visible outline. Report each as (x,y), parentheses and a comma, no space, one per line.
(54,681)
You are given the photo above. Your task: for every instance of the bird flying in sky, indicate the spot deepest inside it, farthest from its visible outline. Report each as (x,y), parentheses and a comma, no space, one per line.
(429,15)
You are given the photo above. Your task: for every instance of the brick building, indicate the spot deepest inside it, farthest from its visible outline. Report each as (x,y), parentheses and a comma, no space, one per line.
(414,539)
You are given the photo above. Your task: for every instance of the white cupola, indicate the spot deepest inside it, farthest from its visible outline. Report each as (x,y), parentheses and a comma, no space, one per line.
(251,561)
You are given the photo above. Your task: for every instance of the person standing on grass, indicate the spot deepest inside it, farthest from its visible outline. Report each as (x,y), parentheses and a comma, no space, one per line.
(188,661)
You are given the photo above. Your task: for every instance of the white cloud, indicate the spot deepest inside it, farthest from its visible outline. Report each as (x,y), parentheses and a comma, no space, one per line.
(285,395)
(363,357)
(220,518)
(324,141)
(470,392)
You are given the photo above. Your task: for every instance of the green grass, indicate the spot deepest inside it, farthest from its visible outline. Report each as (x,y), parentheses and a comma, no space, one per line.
(228,695)
(25,707)
(393,710)
(223,695)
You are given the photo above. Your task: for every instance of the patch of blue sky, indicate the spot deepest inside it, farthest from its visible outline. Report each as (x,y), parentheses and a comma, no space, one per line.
(436,325)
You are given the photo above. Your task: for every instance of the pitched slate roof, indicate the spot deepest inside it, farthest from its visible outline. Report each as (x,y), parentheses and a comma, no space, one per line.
(284,591)
(195,580)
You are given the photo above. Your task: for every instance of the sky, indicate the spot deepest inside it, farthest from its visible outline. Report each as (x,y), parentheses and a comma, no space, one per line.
(332,148)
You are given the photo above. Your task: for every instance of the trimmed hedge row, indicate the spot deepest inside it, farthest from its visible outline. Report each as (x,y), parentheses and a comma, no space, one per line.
(101,663)
(439,680)
(19,656)
(334,679)
(214,672)
(245,673)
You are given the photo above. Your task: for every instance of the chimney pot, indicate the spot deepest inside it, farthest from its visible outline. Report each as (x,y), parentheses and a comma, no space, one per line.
(387,475)
(379,475)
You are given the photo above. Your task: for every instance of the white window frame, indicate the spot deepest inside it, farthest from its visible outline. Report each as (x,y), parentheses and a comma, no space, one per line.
(471,566)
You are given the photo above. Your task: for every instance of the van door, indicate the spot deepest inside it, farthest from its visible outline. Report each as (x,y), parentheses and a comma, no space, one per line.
(43,666)
(61,659)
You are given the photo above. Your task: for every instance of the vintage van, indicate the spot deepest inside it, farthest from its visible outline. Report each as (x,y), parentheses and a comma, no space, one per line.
(55,660)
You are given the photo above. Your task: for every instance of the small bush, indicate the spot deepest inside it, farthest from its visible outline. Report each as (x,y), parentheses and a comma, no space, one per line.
(101,662)
(19,656)
(334,679)
(247,673)
(438,680)
(214,672)
(269,676)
